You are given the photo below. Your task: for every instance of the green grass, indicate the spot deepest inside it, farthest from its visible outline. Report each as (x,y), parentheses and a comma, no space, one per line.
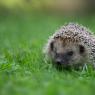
(23,70)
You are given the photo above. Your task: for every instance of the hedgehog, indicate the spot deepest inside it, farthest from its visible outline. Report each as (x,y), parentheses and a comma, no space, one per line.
(73,45)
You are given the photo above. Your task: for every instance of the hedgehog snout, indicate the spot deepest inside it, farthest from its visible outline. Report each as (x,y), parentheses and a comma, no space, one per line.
(62,59)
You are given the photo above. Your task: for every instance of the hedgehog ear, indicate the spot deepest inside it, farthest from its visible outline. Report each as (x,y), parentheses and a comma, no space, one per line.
(81,49)
(52,45)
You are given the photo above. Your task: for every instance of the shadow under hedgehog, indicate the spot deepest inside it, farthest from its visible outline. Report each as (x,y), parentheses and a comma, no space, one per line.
(73,45)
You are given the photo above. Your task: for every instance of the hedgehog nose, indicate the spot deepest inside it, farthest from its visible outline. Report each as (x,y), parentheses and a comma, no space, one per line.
(58,62)
(61,62)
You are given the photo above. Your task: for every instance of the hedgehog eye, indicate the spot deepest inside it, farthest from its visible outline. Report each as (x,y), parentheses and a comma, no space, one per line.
(70,53)
(81,49)
(51,46)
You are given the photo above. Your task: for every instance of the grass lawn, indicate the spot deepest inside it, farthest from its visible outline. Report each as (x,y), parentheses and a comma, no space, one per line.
(23,70)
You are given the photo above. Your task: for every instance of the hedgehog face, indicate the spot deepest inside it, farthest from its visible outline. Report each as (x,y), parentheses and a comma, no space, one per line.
(67,53)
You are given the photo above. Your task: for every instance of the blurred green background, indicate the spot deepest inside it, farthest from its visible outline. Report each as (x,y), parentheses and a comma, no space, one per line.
(25,26)
(64,6)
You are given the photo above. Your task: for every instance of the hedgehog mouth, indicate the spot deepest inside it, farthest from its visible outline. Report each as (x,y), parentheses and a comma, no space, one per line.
(68,66)
(62,66)
(62,63)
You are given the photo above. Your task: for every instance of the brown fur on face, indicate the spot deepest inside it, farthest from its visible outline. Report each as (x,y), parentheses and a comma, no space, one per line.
(66,52)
